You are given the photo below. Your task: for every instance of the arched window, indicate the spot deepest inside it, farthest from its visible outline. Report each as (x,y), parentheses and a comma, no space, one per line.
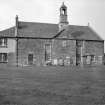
(63,11)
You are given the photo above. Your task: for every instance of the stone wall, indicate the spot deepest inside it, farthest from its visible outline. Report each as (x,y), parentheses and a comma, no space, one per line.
(10,49)
(95,49)
(60,49)
(64,50)
(30,46)
(12,58)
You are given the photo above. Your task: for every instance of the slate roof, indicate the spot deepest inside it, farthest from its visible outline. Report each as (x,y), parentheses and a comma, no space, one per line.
(80,32)
(43,30)
(46,30)
(10,32)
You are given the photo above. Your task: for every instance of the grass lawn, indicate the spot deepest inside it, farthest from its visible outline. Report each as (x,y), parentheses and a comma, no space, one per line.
(52,86)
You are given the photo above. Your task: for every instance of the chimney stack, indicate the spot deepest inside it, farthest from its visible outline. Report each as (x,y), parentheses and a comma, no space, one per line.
(16,20)
(16,25)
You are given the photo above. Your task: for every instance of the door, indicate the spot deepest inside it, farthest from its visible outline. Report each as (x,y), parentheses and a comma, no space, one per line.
(30,59)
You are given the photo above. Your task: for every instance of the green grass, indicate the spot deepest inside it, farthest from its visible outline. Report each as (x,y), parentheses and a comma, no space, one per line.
(52,86)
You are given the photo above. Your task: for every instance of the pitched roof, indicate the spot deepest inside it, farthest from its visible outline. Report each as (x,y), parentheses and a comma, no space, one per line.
(10,32)
(80,32)
(43,30)
(46,30)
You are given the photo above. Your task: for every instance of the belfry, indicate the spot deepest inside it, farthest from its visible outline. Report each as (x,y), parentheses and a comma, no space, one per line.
(63,22)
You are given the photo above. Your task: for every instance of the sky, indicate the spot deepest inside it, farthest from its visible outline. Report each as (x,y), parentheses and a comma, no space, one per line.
(80,12)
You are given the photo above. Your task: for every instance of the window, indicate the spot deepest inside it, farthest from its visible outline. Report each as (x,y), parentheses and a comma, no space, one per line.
(47,52)
(3,42)
(55,61)
(63,11)
(79,43)
(100,59)
(3,57)
(64,43)
(67,60)
(88,60)
(93,58)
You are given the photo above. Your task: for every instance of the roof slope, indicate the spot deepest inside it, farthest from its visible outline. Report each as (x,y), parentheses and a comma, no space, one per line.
(46,30)
(80,32)
(43,30)
(10,32)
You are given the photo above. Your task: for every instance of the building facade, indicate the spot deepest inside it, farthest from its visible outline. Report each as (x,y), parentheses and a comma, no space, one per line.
(31,43)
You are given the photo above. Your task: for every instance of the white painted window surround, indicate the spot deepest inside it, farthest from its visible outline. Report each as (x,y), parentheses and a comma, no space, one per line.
(3,57)
(64,42)
(55,61)
(11,46)
(100,59)
(3,42)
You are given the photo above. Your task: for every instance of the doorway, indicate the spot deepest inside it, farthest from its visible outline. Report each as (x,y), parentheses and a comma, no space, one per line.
(30,59)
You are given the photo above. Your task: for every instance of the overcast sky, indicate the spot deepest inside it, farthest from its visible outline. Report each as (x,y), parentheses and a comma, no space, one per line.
(80,12)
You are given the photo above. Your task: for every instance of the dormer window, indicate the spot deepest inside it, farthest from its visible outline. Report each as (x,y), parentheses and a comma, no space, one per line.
(3,42)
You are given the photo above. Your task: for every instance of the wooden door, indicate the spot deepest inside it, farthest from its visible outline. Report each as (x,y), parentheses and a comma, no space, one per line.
(30,59)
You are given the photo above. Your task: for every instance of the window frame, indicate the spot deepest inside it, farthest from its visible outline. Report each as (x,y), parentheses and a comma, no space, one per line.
(47,51)
(3,42)
(100,59)
(64,41)
(4,55)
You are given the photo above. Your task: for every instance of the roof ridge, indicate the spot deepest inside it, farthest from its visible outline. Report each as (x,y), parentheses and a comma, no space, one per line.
(37,29)
(37,22)
(79,25)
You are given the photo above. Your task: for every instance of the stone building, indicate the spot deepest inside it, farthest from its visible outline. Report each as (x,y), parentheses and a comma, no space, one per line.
(32,43)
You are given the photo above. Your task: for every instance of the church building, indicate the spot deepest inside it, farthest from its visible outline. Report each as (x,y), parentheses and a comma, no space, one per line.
(42,44)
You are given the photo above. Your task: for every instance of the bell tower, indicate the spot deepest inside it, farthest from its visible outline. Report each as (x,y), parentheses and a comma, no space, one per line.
(63,22)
